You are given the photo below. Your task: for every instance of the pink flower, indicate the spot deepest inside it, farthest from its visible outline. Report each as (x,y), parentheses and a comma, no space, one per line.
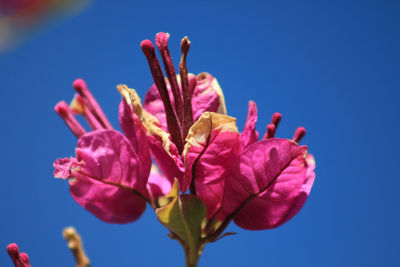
(184,126)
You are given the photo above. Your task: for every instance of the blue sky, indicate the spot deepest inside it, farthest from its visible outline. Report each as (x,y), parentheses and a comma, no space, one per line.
(330,66)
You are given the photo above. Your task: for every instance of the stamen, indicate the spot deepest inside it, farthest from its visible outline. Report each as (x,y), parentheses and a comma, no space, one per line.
(299,134)
(158,77)
(271,130)
(65,113)
(276,119)
(78,106)
(162,44)
(187,89)
(20,259)
(91,103)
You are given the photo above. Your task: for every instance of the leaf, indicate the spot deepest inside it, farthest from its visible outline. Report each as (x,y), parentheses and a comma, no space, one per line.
(183,216)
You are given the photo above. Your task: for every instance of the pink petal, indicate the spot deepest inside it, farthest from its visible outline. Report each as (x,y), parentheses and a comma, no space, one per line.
(157,184)
(110,158)
(169,162)
(110,181)
(109,203)
(271,182)
(250,135)
(212,145)
(163,150)
(207,96)
(136,133)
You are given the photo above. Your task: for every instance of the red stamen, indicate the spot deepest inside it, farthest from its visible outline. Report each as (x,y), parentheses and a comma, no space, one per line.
(271,130)
(276,119)
(187,89)
(162,44)
(20,259)
(299,134)
(158,77)
(65,113)
(91,103)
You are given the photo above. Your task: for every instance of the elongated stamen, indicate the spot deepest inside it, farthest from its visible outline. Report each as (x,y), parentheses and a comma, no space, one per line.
(271,129)
(276,119)
(65,113)
(186,87)
(78,106)
(91,103)
(299,134)
(158,77)
(162,44)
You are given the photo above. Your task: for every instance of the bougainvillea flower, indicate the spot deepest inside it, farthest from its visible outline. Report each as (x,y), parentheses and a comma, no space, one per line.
(20,259)
(260,184)
(109,174)
(19,18)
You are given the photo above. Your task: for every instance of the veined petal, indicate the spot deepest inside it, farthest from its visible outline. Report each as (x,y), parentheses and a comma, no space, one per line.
(108,179)
(212,145)
(110,158)
(269,184)
(109,203)
(250,135)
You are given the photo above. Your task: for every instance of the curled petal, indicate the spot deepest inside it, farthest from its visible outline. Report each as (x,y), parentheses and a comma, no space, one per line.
(270,184)
(110,203)
(136,133)
(162,149)
(250,135)
(212,145)
(63,167)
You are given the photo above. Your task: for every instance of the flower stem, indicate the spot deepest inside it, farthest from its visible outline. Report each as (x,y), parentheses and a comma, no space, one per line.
(190,259)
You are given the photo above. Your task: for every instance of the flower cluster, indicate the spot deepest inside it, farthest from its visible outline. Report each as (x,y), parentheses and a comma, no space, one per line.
(182,125)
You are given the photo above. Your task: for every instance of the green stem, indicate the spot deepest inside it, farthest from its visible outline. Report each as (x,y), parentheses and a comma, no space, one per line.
(191,261)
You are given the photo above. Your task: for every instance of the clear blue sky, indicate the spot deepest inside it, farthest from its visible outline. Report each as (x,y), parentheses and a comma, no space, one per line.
(330,66)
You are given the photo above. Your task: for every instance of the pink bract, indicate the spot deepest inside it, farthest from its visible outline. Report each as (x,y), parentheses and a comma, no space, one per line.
(272,176)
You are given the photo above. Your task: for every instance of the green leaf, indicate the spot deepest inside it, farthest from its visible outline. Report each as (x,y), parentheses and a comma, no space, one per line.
(183,216)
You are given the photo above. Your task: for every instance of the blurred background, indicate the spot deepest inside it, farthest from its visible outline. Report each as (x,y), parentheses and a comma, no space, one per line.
(330,66)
